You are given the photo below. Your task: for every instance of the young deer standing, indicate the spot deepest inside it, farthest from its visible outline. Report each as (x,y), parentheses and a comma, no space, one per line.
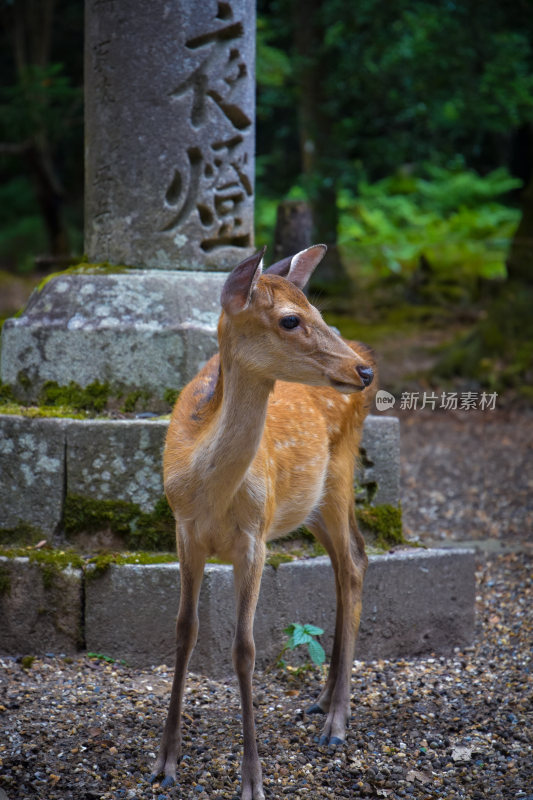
(250,455)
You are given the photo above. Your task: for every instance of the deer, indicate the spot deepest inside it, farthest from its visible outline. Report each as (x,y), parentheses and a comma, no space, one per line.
(264,439)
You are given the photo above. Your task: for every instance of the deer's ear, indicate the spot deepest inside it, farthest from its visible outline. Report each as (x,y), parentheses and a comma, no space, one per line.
(299,268)
(280,267)
(237,290)
(303,264)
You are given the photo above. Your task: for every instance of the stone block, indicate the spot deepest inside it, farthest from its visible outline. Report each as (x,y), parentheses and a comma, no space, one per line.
(45,459)
(415,603)
(116,460)
(130,612)
(169,132)
(379,470)
(40,608)
(134,329)
(32,473)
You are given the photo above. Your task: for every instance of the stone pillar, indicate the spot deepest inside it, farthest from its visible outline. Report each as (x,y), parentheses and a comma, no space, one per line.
(169,88)
(169,111)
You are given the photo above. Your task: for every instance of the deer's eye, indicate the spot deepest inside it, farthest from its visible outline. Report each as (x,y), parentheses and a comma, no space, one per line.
(289,322)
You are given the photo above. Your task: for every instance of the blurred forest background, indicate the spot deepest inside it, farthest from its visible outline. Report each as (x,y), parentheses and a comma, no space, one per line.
(399,133)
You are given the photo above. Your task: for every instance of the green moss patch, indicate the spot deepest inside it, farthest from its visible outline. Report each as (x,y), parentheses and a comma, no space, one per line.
(170,396)
(383,524)
(34,412)
(77,402)
(138,529)
(47,557)
(84,268)
(299,544)
(93,397)
(101,563)
(275,559)
(50,562)
(6,394)
(5,580)
(21,534)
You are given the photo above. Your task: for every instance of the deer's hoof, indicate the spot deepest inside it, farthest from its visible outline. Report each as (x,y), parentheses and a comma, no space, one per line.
(314,709)
(330,741)
(334,742)
(165,783)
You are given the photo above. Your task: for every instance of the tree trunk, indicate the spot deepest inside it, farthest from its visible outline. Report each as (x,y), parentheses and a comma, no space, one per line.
(31,24)
(294,228)
(50,198)
(520,260)
(317,157)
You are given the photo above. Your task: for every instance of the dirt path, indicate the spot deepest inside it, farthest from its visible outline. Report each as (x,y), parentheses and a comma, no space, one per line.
(468,475)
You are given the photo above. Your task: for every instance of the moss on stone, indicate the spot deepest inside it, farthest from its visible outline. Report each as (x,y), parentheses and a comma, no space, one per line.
(5,579)
(20,534)
(275,559)
(170,396)
(80,402)
(84,268)
(139,529)
(23,380)
(6,394)
(135,399)
(35,412)
(46,557)
(93,397)
(99,564)
(155,530)
(53,561)
(300,543)
(50,562)
(382,523)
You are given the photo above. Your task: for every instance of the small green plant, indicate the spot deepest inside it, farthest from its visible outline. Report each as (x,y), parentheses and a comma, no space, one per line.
(304,635)
(107,659)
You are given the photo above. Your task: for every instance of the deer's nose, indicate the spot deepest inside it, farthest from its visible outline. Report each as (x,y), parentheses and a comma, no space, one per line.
(366,374)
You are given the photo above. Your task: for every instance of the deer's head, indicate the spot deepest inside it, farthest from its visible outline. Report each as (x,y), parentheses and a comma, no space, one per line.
(270,328)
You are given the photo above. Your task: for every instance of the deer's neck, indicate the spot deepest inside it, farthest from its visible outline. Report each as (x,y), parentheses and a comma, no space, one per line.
(236,429)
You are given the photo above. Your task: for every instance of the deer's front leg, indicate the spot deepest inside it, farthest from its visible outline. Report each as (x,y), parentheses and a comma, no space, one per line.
(247,573)
(191,573)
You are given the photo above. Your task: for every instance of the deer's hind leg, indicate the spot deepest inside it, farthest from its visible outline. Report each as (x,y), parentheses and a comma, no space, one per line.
(336,528)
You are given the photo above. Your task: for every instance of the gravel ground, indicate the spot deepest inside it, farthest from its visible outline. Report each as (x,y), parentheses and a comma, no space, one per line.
(435,728)
(468,475)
